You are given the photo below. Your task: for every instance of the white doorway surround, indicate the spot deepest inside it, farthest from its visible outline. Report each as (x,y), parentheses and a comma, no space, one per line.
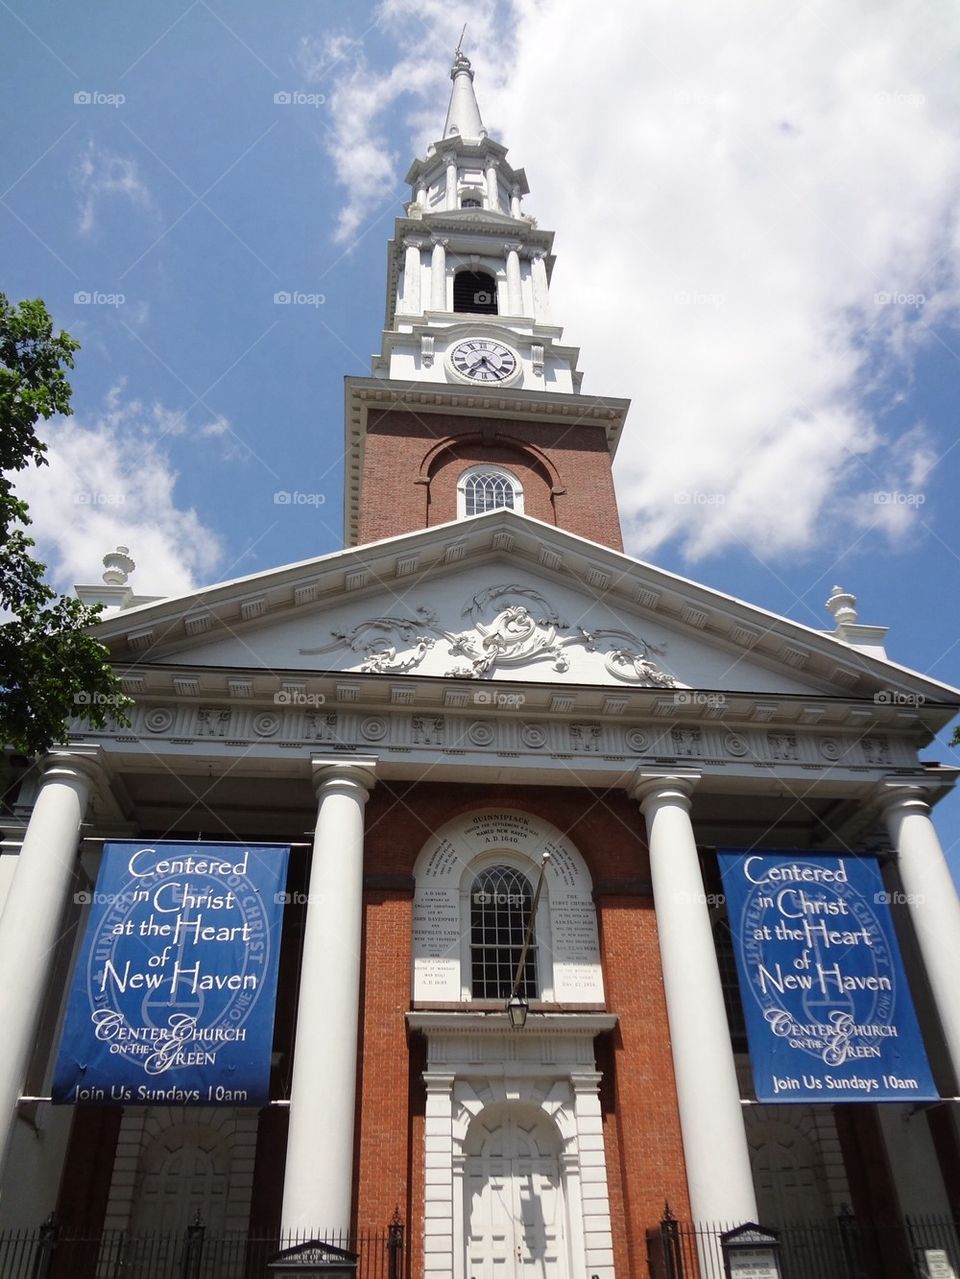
(516,1179)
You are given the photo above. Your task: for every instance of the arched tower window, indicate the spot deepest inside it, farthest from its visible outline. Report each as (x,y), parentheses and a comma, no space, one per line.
(488,488)
(500,903)
(475,292)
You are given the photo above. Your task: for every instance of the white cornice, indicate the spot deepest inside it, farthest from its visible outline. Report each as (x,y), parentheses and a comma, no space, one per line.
(469,1022)
(152,633)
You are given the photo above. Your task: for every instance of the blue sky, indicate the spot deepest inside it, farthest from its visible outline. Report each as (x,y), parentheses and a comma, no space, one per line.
(757,238)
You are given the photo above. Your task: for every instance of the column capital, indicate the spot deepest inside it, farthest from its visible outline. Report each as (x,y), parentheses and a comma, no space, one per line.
(79,762)
(586,1081)
(647,787)
(437,1081)
(343,774)
(439,241)
(512,246)
(413,242)
(913,797)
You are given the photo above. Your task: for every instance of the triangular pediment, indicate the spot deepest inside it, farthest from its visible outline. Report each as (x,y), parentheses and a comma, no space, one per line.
(502,597)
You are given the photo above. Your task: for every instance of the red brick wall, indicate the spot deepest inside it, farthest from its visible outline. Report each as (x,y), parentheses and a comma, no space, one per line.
(643,1127)
(641,1122)
(383,1164)
(398,444)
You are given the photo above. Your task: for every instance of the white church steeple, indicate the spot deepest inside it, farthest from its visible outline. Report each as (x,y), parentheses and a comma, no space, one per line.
(463,115)
(469,272)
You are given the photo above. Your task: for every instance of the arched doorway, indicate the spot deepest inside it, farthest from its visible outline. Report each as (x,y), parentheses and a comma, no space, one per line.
(514,1213)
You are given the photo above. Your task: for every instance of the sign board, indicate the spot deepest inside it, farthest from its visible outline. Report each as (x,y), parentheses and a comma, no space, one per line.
(936,1264)
(754,1263)
(828,1011)
(173,995)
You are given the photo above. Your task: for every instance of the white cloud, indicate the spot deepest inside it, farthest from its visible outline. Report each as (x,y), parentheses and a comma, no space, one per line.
(109,482)
(100,173)
(757,222)
(360,99)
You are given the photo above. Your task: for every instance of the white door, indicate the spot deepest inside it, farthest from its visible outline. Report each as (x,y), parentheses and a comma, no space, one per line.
(514,1207)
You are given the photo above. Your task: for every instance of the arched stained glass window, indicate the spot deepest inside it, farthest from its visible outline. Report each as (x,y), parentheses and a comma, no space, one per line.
(500,903)
(488,489)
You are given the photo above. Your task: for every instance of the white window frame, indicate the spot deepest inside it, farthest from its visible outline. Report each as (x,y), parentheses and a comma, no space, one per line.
(542,931)
(501,473)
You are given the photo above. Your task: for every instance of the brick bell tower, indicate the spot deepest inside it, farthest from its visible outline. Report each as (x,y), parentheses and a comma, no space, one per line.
(474,401)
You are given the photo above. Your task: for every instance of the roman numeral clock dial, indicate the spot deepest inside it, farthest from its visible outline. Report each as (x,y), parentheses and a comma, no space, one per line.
(483,360)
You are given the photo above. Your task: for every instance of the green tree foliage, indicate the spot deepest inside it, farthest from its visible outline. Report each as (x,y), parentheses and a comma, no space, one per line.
(50,669)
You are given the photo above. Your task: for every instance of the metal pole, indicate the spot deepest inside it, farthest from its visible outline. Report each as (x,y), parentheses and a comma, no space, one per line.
(530,922)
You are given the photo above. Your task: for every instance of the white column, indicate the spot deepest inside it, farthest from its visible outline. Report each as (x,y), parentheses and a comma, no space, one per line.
(443,1192)
(586,1180)
(421,194)
(411,277)
(319,1171)
(493,189)
(541,290)
(514,290)
(931,899)
(711,1118)
(451,182)
(438,276)
(515,203)
(29,927)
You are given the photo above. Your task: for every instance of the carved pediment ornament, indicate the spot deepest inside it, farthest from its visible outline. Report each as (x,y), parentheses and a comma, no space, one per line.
(510,626)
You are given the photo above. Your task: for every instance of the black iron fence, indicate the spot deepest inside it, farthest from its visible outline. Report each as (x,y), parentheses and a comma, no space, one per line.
(55,1252)
(842,1247)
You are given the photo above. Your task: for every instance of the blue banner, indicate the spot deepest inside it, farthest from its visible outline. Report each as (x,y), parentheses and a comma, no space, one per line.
(173,995)
(828,1010)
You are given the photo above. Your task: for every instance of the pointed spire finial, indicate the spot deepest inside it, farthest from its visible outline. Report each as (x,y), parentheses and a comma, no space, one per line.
(463,114)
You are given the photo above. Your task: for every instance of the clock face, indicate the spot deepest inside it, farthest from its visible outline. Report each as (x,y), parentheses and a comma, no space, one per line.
(483,360)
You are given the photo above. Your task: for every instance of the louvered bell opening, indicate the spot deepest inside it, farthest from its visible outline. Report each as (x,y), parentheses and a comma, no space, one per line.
(475,292)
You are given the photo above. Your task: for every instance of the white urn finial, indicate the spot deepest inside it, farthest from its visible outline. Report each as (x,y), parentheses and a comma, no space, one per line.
(843,606)
(118,566)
